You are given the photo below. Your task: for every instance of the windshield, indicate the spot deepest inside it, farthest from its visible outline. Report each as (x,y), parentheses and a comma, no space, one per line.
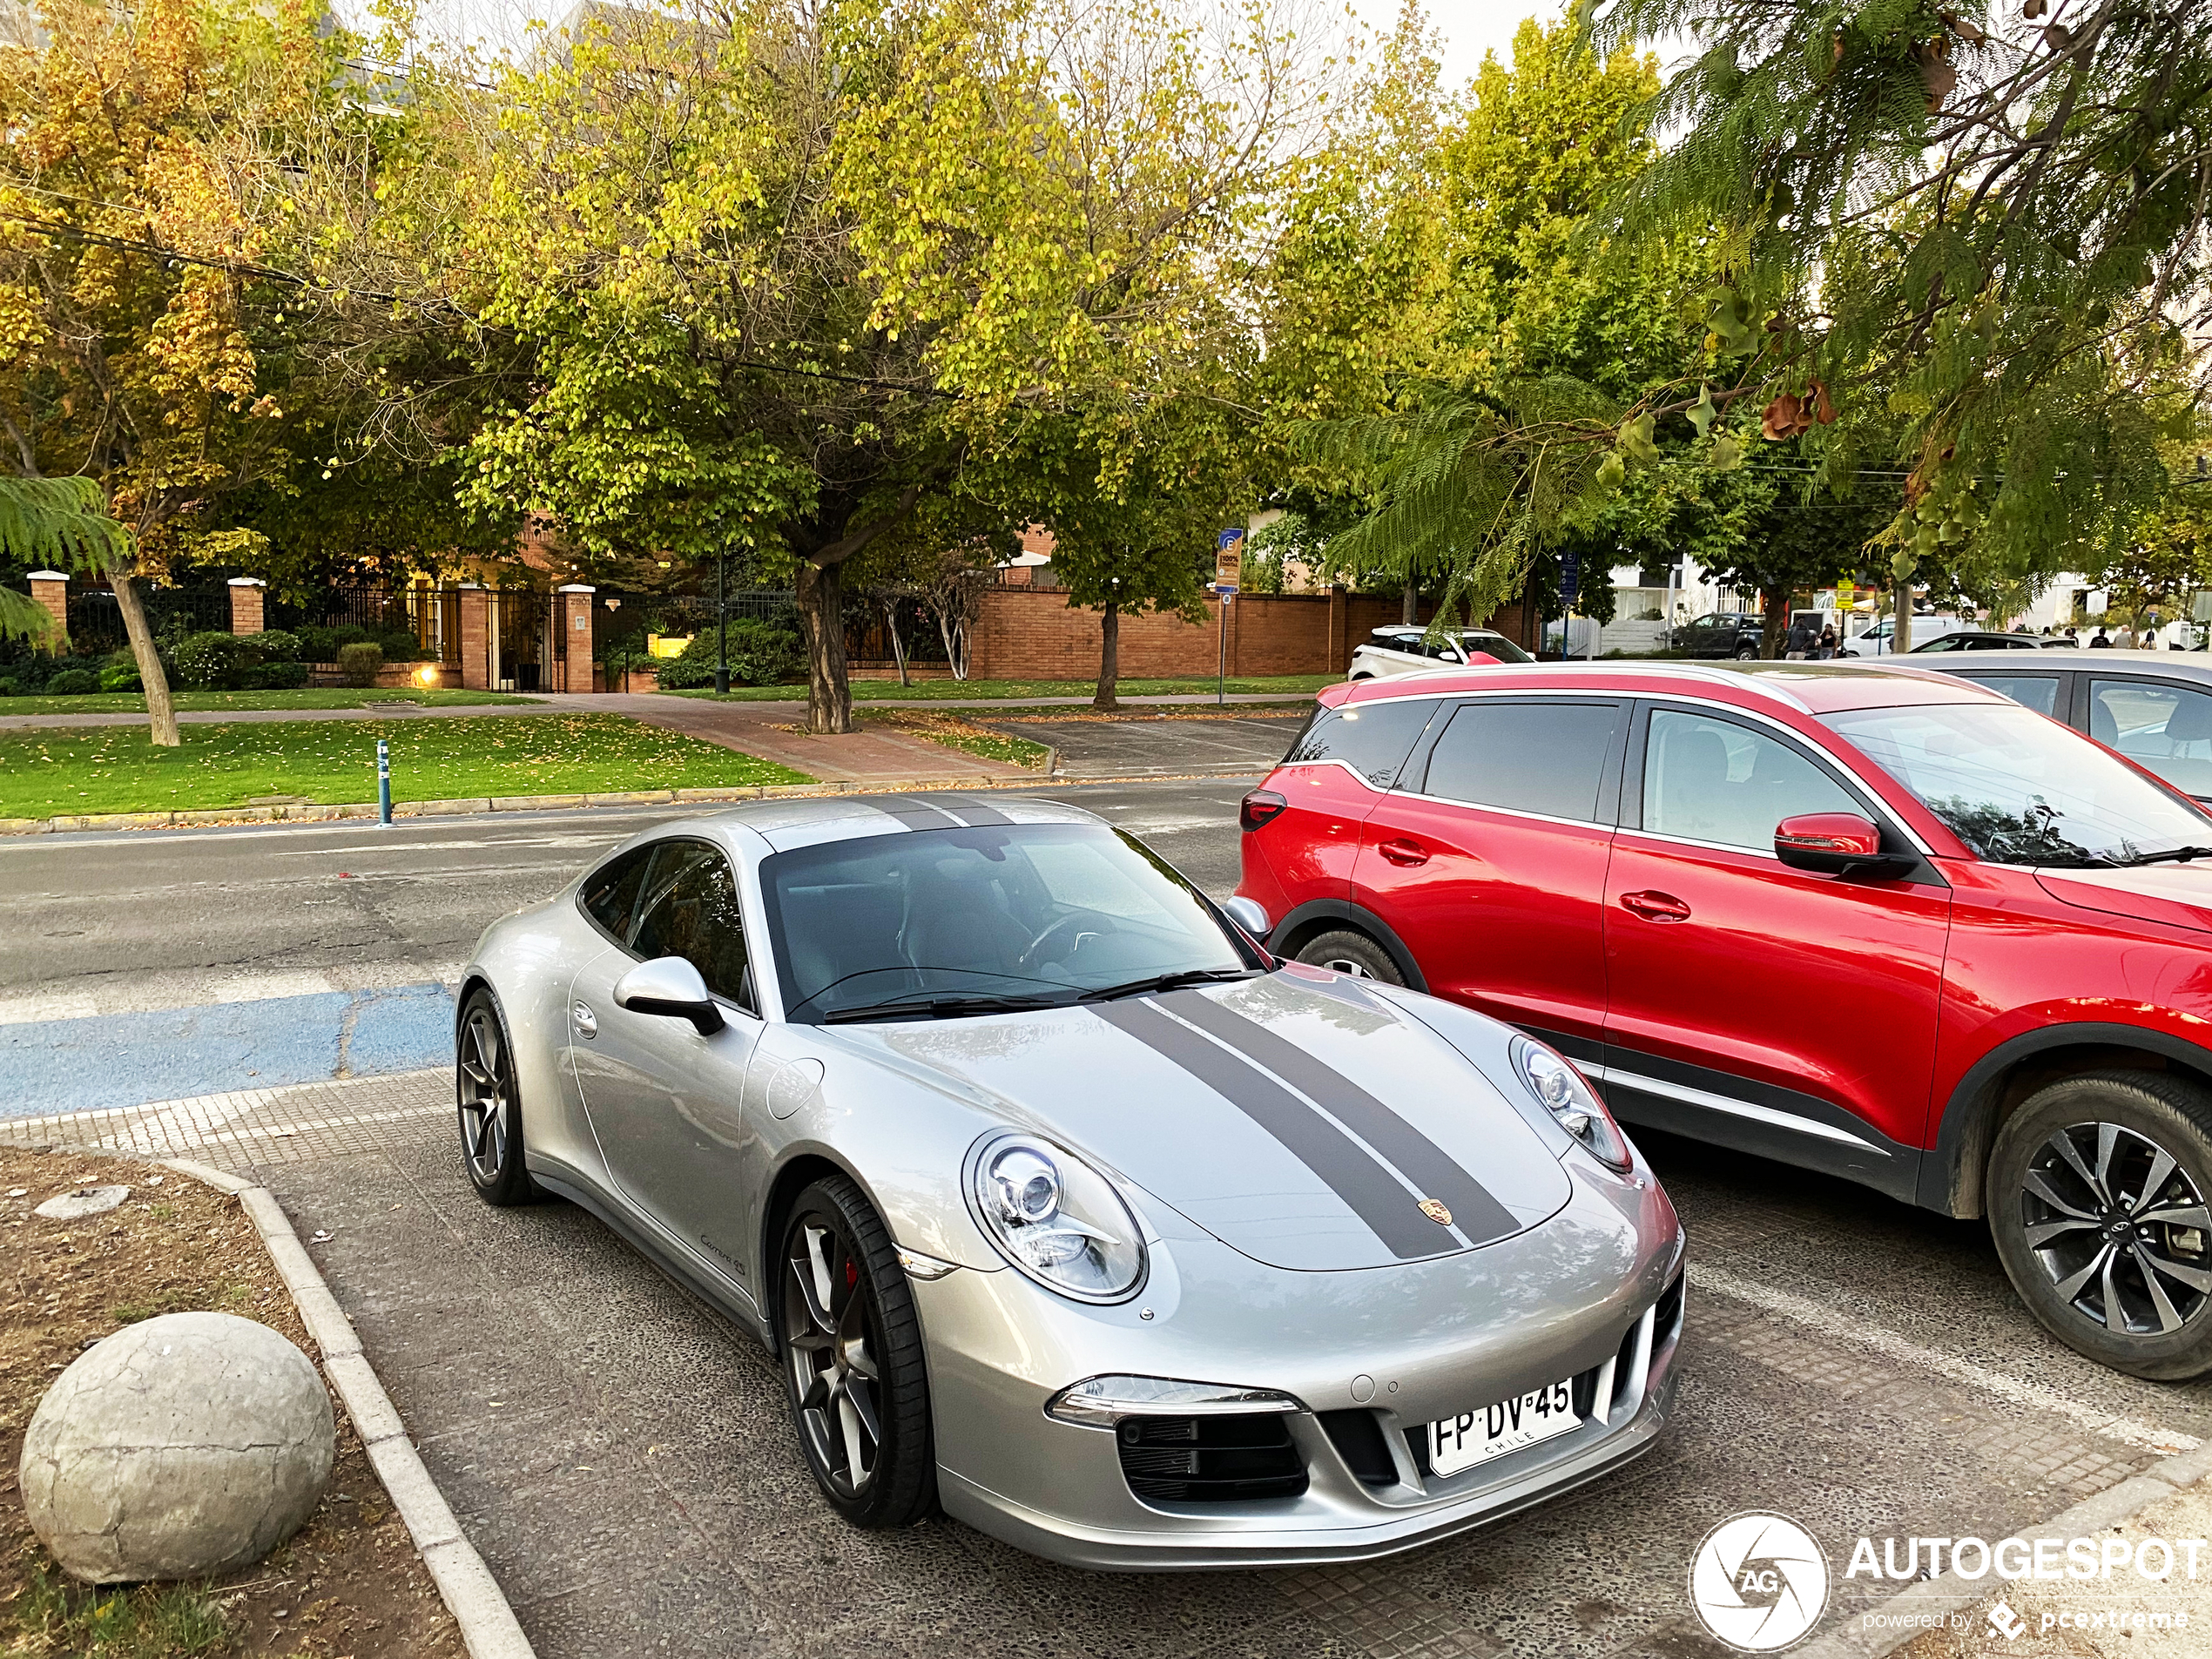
(2019,789)
(1024,915)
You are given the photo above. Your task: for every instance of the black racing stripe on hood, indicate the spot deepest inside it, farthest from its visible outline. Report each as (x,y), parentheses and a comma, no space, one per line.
(1439,1175)
(1347,1168)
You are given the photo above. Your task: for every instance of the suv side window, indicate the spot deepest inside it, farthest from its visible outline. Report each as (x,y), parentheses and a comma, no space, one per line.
(691,910)
(609,895)
(1710,779)
(1372,739)
(1547,757)
(2164,729)
(2036,691)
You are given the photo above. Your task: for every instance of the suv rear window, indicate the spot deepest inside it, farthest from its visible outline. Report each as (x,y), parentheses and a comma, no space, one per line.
(1372,739)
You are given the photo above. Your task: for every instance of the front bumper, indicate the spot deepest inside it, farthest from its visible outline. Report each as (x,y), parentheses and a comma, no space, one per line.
(1578,1296)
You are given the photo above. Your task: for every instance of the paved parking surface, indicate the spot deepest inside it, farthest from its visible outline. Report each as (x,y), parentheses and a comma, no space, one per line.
(1159,747)
(624,1461)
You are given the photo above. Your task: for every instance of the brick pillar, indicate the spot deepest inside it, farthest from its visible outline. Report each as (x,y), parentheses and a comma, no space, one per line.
(249,597)
(50,588)
(475,638)
(575,628)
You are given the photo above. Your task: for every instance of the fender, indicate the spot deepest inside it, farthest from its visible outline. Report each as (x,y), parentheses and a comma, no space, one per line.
(1950,1177)
(1363,919)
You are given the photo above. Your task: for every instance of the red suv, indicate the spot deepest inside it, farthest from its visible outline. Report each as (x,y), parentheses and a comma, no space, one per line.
(1871,920)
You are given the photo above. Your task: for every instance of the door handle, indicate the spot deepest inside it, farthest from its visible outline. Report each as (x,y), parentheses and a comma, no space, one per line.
(1399,850)
(1655,907)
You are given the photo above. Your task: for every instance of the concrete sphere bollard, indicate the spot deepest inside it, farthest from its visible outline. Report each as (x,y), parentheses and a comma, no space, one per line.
(193,1443)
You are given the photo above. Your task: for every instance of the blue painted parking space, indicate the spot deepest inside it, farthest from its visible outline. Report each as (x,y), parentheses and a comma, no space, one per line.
(114,1060)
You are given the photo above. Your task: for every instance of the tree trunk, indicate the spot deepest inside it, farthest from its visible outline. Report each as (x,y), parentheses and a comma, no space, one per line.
(1777,601)
(1409,611)
(1110,657)
(1902,640)
(161,713)
(821,616)
(898,645)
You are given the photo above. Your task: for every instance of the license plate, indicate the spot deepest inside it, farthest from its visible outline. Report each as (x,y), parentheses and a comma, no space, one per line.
(1457,1443)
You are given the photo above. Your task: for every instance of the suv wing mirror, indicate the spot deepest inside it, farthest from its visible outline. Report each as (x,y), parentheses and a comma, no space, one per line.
(670,984)
(1837,844)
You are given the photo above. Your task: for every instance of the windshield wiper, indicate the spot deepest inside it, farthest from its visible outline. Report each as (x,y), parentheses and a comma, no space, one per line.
(939,1008)
(2169,855)
(1169,981)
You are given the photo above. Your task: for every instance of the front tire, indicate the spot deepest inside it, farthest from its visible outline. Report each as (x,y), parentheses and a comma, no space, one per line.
(1747,653)
(1345,952)
(854,1370)
(491,1113)
(2098,1189)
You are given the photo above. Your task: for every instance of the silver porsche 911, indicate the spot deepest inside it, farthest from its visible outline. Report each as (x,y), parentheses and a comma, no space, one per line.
(1063,1205)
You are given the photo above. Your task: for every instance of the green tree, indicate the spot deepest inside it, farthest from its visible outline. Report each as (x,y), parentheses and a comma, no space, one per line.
(1969,240)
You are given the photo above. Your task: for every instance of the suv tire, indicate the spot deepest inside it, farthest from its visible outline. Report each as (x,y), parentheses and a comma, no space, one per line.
(2097,1189)
(1747,653)
(1347,952)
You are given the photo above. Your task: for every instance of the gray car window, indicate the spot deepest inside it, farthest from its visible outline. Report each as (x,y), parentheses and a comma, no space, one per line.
(2162,728)
(1372,739)
(2036,691)
(691,910)
(1547,757)
(610,893)
(1706,780)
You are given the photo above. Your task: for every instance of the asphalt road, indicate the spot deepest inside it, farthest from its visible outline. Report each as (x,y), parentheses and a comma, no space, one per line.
(162,965)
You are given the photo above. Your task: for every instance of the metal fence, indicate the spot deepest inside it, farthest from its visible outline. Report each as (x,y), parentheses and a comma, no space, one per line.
(95,620)
(621,622)
(431,616)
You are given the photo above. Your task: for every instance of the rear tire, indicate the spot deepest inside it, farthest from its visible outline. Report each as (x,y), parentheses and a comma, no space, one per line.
(1347,952)
(850,1339)
(1747,653)
(490,1110)
(2098,1189)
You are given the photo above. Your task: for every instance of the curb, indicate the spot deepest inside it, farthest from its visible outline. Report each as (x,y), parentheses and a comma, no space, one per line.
(359,811)
(1934,1599)
(489,1628)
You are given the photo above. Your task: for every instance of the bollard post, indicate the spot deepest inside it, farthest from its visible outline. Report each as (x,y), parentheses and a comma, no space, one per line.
(383,782)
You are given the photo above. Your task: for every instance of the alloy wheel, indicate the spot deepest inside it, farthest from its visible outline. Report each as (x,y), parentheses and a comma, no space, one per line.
(1346,965)
(2120,1227)
(830,1345)
(487,1089)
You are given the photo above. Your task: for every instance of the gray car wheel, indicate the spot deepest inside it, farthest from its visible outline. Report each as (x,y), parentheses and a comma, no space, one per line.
(1345,952)
(2097,1198)
(491,1114)
(853,1359)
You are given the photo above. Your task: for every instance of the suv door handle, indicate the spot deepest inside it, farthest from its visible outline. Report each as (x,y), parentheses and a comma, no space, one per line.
(1399,850)
(1655,907)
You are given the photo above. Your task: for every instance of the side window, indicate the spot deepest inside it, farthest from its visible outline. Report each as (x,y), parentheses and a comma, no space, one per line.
(691,910)
(1546,758)
(2163,729)
(1372,739)
(1713,781)
(2036,691)
(610,893)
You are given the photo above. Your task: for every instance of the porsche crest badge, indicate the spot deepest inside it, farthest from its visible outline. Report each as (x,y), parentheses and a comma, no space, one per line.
(1435,1209)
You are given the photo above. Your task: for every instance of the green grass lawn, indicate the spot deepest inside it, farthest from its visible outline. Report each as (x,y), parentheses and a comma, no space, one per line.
(114,769)
(948,729)
(935,690)
(223,702)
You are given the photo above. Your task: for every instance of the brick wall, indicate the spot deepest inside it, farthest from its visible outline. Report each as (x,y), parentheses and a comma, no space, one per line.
(248,605)
(475,640)
(1036,635)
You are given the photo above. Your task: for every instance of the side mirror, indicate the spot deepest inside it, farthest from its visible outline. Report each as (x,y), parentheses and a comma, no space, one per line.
(1837,844)
(668,985)
(1250,915)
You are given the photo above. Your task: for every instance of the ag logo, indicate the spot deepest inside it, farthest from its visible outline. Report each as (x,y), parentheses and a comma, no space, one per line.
(1759,1582)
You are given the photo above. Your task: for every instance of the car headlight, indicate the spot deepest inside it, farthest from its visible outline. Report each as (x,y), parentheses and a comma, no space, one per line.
(1057,1219)
(1100,1402)
(1560,1089)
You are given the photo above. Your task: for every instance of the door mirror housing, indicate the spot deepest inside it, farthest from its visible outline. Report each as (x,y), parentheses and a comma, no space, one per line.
(1250,915)
(1838,843)
(671,985)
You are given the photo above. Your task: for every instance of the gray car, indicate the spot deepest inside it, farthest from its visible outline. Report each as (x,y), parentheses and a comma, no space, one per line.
(1060,1203)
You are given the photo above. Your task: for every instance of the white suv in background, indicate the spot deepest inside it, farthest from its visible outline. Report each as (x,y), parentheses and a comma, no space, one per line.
(1407,651)
(1880,639)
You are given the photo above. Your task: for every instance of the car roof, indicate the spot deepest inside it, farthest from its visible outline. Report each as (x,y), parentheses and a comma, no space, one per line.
(807,820)
(1805,688)
(2147,665)
(1402,629)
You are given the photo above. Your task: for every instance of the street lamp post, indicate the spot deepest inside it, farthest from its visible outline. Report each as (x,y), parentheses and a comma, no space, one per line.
(721,622)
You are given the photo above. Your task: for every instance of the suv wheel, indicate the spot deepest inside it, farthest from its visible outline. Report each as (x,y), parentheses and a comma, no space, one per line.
(1345,952)
(2097,1201)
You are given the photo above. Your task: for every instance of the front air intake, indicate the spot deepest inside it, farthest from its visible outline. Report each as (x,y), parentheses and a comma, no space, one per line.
(1231,1459)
